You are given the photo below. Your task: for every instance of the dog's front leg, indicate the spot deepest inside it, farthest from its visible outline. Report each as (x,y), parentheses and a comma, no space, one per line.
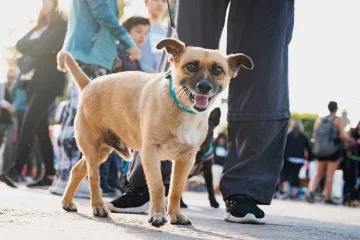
(180,172)
(150,158)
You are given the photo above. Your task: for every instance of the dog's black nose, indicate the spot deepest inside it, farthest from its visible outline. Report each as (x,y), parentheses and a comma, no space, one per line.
(204,86)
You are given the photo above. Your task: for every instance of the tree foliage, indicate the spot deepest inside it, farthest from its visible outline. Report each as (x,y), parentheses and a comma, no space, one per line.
(308,121)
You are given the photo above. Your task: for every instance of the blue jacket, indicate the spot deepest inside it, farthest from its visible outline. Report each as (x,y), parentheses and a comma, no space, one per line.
(92,32)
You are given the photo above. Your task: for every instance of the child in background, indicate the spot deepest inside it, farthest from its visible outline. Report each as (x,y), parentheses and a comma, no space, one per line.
(138,28)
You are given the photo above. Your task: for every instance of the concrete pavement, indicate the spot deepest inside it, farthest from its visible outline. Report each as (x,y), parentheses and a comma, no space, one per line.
(36,214)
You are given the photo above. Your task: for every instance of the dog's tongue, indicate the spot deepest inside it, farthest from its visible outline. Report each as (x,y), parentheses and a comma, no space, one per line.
(201,101)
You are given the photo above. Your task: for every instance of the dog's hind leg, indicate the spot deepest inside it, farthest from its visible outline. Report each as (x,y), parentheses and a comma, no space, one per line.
(180,172)
(78,173)
(94,158)
(150,158)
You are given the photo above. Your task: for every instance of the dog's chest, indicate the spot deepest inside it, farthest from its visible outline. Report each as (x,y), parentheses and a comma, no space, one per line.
(190,133)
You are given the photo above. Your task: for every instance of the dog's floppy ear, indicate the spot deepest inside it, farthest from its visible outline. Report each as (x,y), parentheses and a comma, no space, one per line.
(237,60)
(172,46)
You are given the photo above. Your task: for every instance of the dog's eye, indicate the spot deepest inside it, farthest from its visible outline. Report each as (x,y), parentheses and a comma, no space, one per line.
(191,67)
(217,71)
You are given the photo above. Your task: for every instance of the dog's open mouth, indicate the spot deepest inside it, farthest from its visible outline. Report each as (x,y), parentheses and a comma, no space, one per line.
(200,102)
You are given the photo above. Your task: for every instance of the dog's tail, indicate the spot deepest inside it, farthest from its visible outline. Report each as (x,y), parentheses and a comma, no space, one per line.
(66,62)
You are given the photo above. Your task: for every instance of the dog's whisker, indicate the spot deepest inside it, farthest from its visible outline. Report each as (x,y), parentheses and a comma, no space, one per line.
(181,95)
(181,92)
(185,93)
(178,89)
(188,94)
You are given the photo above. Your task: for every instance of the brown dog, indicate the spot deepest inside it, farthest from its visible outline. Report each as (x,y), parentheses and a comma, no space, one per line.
(136,110)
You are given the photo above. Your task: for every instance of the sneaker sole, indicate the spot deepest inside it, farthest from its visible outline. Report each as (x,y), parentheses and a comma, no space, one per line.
(7,181)
(248,218)
(141,209)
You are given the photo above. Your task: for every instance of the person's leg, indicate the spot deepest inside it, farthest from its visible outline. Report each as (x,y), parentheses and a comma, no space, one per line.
(315,180)
(45,147)
(200,23)
(38,159)
(284,180)
(114,169)
(9,146)
(295,181)
(331,167)
(104,169)
(258,106)
(3,128)
(38,103)
(252,166)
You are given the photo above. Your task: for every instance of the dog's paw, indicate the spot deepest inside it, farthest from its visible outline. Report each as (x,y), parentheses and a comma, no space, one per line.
(214,203)
(99,210)
(179,219)
(157,219)
(69,206)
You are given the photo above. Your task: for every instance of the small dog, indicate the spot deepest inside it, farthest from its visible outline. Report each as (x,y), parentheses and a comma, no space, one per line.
(163,117)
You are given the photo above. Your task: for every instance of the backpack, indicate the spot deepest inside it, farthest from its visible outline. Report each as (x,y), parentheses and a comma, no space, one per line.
(325,136)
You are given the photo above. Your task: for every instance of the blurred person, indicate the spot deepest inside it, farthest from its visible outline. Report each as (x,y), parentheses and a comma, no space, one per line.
(151,57)
(20,105)
(138,28)
(351,168)
(93,30)
(6,118)
(296,145)
(329,134)
(43,83)
(220,146)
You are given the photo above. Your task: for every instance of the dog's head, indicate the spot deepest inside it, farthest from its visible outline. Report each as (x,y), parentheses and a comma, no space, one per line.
(200,74)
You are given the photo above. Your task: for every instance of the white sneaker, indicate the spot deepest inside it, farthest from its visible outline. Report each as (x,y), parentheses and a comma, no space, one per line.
(58,188)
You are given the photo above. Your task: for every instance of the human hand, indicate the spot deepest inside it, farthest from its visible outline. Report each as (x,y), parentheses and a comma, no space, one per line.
(135,53)
(11,109)
(118,63)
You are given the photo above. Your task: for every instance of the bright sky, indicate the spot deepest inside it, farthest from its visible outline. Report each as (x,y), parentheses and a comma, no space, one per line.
(323,53)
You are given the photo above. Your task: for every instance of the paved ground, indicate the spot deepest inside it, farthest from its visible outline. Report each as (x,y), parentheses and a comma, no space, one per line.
(36,214)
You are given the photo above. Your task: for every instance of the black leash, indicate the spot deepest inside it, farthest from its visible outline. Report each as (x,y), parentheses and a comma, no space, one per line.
(172,22)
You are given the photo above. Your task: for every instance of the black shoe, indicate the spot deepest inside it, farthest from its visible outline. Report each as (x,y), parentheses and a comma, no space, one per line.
(11,179)
(134,200)
(243,209)
(42,183)
(330,202)
(310,197)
